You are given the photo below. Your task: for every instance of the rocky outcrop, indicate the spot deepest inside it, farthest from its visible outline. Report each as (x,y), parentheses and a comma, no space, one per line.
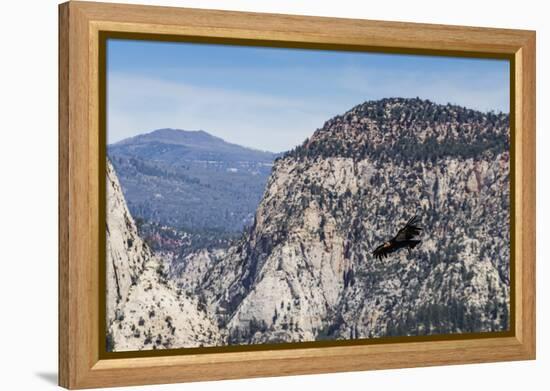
(304,269)
(145,310)
(126,252)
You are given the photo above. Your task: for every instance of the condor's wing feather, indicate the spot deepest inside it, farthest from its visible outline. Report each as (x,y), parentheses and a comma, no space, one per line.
(409,231)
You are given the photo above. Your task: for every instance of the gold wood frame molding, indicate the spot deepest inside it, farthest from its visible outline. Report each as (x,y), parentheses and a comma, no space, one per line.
(81,24)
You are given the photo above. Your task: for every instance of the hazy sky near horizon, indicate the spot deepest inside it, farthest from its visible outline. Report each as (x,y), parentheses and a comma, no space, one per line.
(272,99)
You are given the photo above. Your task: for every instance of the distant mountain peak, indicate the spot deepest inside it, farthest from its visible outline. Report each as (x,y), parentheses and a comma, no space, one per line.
(184,167)
(172,136)
(179,132)
(191,138)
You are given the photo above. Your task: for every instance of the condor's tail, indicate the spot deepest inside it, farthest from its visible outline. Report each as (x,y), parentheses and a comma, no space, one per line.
(413,243)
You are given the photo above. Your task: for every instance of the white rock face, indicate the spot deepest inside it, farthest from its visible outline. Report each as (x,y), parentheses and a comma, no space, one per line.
(126,252)
(144,309)
(192,270)
(301,277)
(157,317)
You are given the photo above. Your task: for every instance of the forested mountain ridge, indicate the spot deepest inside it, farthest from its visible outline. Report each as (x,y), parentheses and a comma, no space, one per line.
(408,130)
(189,187)
(304,270)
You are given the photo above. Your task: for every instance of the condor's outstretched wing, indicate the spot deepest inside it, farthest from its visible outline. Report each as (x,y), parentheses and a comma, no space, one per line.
(409,231)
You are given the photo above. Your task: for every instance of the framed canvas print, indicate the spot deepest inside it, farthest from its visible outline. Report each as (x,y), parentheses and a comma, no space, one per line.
(248,195)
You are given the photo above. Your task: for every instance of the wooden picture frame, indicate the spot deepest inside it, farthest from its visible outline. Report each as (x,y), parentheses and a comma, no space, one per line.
(81,25)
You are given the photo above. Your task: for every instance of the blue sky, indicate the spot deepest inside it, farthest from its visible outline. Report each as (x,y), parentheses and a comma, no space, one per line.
(270,98)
